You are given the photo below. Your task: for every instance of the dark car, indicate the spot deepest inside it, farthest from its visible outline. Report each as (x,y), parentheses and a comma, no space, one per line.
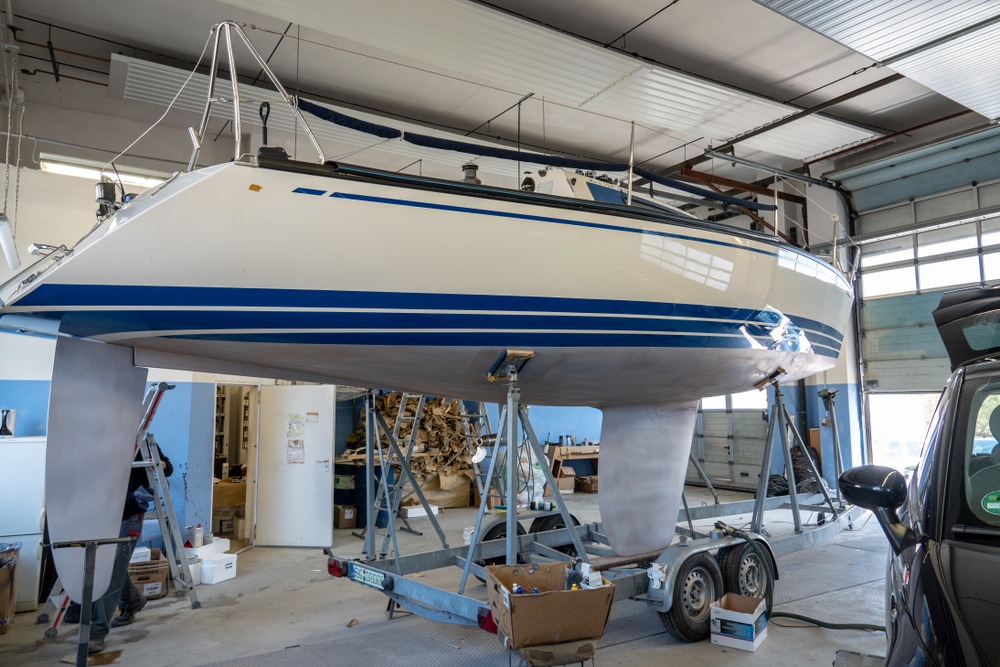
(943,579)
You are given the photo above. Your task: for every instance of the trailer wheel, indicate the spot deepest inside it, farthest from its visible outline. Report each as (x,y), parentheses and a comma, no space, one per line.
(743,572)
(698,583)
(554,522)
(497,531)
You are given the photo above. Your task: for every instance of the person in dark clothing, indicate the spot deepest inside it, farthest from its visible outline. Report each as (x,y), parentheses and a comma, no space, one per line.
(121,591)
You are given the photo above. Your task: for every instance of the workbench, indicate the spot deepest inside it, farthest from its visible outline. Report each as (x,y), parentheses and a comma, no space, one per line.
(226,494)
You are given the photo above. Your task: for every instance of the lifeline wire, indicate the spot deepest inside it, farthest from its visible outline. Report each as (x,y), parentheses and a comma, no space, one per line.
(169,106)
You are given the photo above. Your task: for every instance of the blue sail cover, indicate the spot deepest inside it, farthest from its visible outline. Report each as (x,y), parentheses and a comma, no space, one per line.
(517,155)
(344,120)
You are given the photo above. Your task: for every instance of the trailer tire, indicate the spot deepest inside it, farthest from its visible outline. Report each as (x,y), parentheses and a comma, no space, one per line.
(497,531)
(697,585)
(554,522)
(743,572)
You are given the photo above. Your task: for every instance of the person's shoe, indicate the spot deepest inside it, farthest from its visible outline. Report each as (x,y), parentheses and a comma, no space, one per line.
(72,614)
(128,615)
(95,645)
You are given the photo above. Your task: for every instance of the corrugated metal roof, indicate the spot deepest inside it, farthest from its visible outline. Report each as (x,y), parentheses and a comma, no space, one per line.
(481,44)
(955,43)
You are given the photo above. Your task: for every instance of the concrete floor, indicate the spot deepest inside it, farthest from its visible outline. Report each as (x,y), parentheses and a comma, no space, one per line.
(283,600)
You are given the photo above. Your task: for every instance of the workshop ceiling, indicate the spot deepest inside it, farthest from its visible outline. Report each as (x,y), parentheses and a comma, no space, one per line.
(782,83)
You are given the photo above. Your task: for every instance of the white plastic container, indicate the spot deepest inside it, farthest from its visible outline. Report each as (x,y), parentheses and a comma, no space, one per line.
(218,568)
(194,536)
(140,555)
(195,568)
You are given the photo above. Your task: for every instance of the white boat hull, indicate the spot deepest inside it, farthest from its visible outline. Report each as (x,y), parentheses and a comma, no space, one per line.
(309,273)
(305,276)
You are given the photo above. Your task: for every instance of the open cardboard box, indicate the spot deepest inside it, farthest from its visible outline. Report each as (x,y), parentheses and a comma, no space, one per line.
(738,621)
(551,616)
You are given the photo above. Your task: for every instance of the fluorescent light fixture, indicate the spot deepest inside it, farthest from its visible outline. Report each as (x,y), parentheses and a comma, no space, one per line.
(92,171)
(7,243)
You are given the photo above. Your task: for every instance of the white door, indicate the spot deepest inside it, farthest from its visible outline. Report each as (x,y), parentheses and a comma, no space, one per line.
(295,470)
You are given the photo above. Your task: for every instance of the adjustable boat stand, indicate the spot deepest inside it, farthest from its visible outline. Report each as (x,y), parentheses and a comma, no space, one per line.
(508,444)
(781,422)
(86,604)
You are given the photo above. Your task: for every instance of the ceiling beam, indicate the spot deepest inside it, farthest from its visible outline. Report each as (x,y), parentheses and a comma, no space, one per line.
(709,179)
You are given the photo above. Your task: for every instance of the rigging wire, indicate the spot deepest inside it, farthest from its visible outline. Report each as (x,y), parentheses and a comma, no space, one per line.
(170,106)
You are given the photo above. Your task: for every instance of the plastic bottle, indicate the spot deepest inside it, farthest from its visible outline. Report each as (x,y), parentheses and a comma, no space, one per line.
(534,590)
(575,588)
(517,588)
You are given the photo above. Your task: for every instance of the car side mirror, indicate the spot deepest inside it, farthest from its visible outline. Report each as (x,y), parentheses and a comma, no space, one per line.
(881,490)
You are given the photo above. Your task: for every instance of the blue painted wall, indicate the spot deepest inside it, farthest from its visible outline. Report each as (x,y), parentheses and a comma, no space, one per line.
(847,405)
(30,398)
(183,427)
(551,422)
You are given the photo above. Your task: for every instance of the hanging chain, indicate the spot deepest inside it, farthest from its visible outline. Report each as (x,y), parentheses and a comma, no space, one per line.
(10,75)
(20,166)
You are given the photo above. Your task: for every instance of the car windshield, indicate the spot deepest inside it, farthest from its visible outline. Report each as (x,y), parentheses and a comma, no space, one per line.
(981,458)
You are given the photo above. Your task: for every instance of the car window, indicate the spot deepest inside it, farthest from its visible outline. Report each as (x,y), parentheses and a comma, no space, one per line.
(922,473)
(980,455)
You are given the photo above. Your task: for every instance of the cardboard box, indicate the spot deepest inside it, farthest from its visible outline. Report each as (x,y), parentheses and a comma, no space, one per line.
(150,577)
(566,481)
(587,484)
(9,555)
(410,511)
(218,568)
(345,516)
(738,622)
(553,615)
(578,450)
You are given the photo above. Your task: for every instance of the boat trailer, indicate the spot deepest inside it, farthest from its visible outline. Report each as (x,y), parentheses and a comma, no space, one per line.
(679,582)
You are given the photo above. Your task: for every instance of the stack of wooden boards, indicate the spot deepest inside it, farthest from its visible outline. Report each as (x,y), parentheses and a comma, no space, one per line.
(441,460)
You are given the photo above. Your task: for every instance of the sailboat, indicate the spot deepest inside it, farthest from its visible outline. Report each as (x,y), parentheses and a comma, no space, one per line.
(268,266)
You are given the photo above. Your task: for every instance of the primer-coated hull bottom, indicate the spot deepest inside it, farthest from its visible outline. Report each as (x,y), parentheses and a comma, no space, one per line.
(596,377)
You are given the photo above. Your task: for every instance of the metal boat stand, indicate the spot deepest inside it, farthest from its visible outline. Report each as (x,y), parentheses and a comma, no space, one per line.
(508,447)
(783,425)
(87,603)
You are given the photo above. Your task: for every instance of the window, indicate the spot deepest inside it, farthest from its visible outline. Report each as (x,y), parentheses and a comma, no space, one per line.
(887,252)
(981,470)
(956,247)
(747,400)
(947,241)
(961,271)
(891,281)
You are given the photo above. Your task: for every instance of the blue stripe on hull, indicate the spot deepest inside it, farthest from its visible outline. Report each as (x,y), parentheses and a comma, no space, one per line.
(534,340)
(71,297)
(99,323)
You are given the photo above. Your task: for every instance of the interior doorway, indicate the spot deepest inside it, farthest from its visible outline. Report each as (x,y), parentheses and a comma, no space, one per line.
(233,471)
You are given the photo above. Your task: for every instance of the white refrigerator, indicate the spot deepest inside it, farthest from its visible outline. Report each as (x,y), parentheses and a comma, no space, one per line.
(22,510)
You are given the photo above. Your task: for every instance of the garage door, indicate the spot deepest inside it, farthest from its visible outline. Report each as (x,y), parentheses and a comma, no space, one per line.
(911,253)
(729,444)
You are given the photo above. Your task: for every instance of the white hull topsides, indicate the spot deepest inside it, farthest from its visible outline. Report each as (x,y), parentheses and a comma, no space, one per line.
(328,273)
(303,275)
